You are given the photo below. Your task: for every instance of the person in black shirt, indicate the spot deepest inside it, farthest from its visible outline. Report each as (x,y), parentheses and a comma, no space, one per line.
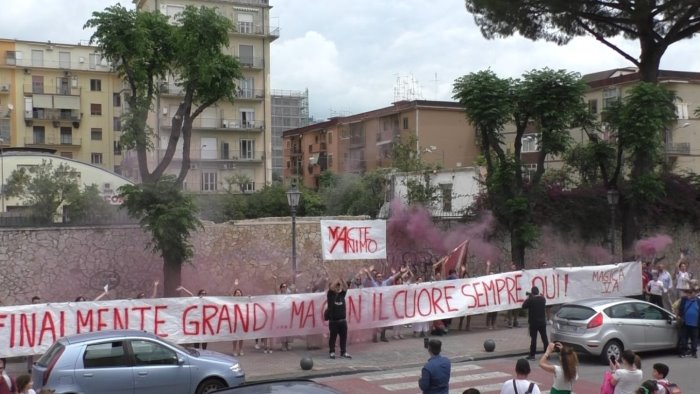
(337,323)
(536,319)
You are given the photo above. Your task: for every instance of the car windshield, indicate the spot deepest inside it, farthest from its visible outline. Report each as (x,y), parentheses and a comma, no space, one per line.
(575,312)
(55,350)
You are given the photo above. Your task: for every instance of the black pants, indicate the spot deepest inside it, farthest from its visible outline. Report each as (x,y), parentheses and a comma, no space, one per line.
(338,327)
(204,345)
(688,333)
(534,329)
(656,300)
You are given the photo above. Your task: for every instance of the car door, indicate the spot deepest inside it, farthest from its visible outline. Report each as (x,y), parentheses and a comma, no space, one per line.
(157,369)
(660,332)
(104,368)
(628,326)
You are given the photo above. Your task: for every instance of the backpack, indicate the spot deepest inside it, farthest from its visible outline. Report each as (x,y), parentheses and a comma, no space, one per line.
(529,389)
(671,388)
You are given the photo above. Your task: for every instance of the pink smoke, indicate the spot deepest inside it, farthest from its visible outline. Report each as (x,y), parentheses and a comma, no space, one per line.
(598,254)
(652,245)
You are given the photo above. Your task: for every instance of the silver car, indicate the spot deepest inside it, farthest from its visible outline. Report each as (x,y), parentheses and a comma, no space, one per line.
(606,326)
(134,362)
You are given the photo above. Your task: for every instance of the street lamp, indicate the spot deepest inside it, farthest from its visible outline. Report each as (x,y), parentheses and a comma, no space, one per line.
(293,195)
(613,200)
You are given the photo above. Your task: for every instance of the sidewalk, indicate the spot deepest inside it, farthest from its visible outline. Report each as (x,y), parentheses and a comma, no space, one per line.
(459,346)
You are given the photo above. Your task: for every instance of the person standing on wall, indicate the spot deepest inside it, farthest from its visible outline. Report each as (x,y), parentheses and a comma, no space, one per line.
(337,323)
(536,319)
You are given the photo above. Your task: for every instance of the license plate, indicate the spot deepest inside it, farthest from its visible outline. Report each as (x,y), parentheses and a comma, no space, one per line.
(567,328)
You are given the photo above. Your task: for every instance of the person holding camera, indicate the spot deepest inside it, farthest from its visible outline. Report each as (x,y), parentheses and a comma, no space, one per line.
(536,319)
(337,323)
(565,375)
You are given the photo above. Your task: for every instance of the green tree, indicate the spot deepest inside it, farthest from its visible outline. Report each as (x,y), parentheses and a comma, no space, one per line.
(655,24)
(89,206)
(145,48)
(406,158)
(546,101)
(44,188)
(405,154)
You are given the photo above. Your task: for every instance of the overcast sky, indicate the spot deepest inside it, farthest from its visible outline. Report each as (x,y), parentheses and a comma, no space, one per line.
(351,54)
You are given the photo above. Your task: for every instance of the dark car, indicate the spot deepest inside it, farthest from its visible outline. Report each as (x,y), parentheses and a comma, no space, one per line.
(289,386)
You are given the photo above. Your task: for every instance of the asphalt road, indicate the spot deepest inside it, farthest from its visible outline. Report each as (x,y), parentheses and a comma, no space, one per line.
(489,375)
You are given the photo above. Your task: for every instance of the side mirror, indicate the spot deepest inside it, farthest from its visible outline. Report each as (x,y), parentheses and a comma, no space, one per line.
(180,361)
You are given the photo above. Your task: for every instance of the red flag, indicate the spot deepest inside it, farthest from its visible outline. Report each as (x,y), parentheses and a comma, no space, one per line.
(457,257)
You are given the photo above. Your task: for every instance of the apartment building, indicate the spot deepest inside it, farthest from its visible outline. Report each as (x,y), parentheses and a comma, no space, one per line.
(228,139)
(364,142)
(62,97)
(682,139)
(290,110)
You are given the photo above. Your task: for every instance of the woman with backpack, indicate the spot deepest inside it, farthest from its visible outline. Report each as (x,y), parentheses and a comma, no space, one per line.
(565,375)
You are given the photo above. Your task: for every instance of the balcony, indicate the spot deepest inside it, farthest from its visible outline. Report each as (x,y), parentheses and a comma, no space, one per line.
(256,29)
(243,125)
(250,94)
(63,141)
(86,62)
(214,156)
(62,90)
(53,115)
(678,149)
(251,62)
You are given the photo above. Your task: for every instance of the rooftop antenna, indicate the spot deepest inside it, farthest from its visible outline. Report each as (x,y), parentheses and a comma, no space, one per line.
(407,88)
(435,81)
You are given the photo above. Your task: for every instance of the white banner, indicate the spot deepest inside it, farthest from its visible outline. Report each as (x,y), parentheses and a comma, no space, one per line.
(353,239)
(31,329)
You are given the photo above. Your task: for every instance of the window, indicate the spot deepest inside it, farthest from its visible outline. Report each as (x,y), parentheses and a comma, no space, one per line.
(593,106)
(93,60)
(96,85)
(151,353)
(311,148)
(330,160)
(117,123)
(610,96)
(330,137)
(64,60)
(37,84)
(650,312)
(105,355)
(37,58)
(173,12)
(531,143)
(245,23)
(247,118)
(446,191)
(117,146)
(96,134)
(622,311)
(529,171)
(245,55)
(682,110)
(96,158)
(247,149)
(67,155)
(405,123)
(209,180)
(95,109)
(66,135)
(116,99)
(39,134)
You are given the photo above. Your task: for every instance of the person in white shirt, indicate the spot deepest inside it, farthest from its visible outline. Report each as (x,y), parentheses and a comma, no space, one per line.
(565,375)
(665,278)
(682,277)
(655,289)
(626,377)
(520,385)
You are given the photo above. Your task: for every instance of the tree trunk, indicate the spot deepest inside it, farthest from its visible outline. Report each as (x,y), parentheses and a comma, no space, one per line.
(172,277)
(517,250)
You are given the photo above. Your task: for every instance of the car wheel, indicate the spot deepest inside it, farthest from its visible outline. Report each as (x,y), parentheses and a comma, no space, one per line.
(612,348)
(209,385)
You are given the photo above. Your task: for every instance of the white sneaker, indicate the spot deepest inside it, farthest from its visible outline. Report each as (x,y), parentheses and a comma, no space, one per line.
(257,346)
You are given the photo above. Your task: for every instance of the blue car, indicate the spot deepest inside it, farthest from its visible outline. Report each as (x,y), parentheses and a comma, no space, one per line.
(134,362)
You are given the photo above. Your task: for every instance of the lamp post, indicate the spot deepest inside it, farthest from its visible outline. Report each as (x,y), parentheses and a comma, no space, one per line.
(613,200)
(293,195)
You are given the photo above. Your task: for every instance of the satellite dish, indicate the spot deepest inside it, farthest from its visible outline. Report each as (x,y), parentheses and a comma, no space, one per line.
(10,107)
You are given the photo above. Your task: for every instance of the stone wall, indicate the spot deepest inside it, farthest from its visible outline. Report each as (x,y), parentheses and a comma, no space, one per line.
(60,264)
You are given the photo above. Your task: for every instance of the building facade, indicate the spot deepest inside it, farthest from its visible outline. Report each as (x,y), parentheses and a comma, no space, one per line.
(363,142)
(229,140)
(290,110)
(63,97)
